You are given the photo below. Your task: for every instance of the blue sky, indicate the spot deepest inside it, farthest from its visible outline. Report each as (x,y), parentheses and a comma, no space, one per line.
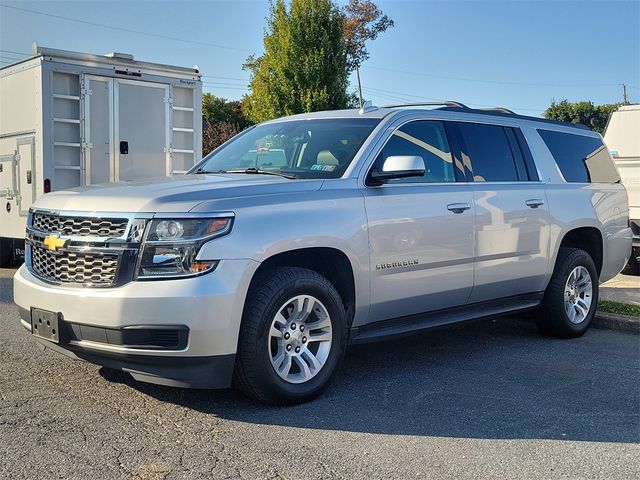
(516,54)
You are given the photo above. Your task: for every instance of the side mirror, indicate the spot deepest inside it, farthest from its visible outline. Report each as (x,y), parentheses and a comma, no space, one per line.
(397,166)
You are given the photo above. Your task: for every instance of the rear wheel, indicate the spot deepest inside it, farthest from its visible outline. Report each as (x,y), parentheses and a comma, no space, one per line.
(292,338)
(571,298)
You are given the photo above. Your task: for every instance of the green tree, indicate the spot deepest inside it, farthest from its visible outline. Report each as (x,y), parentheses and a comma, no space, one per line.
(304,66)
(223,119)
(218,109)
(593,116)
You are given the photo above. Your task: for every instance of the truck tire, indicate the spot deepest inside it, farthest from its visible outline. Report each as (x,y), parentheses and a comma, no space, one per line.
(292,337)
(5,253)
(571,298)
(633,265)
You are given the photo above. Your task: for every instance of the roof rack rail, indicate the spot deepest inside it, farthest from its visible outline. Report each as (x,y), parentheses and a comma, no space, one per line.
(500,109)
(446,103)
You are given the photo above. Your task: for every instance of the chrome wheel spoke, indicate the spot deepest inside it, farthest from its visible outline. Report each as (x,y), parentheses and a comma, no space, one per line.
(322,336)
(583,286)
(279,359)
(305,371)
(314,363)
(303,307)
(322,323)
(285,367)
(274,332)
(582,307)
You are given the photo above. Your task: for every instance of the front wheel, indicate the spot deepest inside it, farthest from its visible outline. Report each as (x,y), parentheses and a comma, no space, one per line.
(292,338)
(571,298)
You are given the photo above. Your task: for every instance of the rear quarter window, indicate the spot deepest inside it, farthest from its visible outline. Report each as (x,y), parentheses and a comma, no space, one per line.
(581,159)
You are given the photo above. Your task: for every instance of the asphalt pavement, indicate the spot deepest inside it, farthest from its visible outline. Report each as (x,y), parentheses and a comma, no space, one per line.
(490,399)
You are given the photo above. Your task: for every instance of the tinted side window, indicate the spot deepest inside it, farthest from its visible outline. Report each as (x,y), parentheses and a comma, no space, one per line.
(580,159)
(490,152)
(426,139)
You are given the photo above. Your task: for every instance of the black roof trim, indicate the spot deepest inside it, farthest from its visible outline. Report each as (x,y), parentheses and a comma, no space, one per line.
(502,113)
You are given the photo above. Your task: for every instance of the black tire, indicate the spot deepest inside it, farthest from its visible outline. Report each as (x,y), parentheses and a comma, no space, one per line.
(633,266)
(253,373)
(5,253)
(552,317)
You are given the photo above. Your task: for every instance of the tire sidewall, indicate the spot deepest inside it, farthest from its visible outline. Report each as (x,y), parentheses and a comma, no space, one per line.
(276,386)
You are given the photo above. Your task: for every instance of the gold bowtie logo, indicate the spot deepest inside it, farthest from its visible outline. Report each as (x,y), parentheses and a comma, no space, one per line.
(53,242)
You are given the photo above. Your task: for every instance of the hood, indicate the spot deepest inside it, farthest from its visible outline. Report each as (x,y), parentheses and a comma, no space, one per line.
(180,193)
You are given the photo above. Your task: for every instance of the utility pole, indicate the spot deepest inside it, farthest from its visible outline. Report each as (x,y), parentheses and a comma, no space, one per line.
(625,100)
(360,86)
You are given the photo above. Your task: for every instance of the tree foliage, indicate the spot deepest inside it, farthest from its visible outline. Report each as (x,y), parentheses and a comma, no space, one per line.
(218,109)
(215,134)
(223,119)
(310,50)
(586,113)
(363,21)
(304,67)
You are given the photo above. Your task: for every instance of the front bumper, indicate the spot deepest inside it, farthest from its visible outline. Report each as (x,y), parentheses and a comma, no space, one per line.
(209,307)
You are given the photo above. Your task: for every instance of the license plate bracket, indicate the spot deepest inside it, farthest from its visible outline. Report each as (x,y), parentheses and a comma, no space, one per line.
(45,324)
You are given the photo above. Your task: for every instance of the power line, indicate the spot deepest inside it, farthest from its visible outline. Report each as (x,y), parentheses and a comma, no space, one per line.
(408,97)
(11,58)
(497,82)
(226,78)
(222,87)
(14,52)
(122,29)
(226,83)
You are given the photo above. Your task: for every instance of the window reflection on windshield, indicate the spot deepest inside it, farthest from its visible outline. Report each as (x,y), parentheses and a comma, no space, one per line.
(303,148)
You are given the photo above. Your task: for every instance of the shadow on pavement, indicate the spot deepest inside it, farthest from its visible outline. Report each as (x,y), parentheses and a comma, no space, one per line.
(494,379)
(6,285)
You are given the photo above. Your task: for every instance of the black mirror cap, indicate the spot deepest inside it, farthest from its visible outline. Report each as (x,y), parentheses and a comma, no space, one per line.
(377,178)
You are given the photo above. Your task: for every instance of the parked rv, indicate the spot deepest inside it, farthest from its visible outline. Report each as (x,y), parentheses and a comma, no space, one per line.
(622,137)
(70,119)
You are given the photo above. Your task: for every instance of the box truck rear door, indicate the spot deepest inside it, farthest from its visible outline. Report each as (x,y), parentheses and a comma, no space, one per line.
(142,130)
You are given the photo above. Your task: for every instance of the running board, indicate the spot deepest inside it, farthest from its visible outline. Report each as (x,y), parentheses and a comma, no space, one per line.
(400,326)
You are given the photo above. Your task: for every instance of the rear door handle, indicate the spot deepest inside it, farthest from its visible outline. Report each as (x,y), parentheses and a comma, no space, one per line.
(534,202)
(458,207)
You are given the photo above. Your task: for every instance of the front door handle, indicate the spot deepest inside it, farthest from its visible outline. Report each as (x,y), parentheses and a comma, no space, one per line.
(458,207)
(534,202)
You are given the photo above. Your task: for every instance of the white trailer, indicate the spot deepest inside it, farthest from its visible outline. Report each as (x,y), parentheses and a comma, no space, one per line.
(69,119)
(622,137)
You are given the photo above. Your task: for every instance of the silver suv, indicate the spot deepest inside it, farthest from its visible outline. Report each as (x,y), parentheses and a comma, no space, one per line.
(307,233)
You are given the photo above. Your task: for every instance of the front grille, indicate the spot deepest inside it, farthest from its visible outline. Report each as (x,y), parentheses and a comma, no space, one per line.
(79,226)
(75,267)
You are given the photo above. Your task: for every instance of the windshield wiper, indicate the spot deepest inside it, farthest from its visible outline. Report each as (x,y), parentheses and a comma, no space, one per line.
(258,171)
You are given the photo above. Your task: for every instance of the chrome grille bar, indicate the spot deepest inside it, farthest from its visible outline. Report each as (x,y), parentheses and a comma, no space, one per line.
(79,226)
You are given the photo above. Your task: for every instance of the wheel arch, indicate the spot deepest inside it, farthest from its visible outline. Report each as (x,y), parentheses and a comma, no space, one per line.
(329,262)
(587,238)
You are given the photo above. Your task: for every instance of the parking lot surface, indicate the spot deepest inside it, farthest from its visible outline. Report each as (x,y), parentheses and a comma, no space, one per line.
(490,399)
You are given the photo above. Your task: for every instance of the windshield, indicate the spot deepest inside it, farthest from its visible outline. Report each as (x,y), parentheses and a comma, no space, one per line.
(299,148)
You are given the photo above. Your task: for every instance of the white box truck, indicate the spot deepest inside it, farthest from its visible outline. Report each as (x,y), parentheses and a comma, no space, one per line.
(70,119)
(622,137)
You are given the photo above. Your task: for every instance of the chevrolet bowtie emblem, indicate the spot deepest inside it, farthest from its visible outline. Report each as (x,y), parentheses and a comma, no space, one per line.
(53,242)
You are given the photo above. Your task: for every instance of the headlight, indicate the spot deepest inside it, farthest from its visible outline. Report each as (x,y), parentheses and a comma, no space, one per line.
(171,246)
